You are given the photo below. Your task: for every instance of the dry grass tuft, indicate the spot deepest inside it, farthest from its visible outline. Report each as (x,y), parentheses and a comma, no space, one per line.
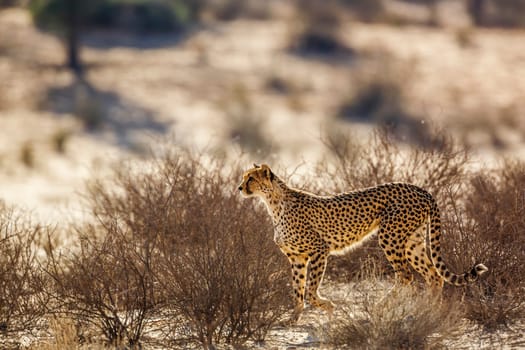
(64,335)
(402,317)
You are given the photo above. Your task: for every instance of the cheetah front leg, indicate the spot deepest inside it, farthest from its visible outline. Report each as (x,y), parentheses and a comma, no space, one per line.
(316,272)
(299,269)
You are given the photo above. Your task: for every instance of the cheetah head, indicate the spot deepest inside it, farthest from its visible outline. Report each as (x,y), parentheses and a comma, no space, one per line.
(257,181)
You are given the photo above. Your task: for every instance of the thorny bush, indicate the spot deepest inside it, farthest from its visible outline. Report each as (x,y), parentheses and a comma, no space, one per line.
(108,284)
(489,224)
(174,241)
(21,280)
(227,280)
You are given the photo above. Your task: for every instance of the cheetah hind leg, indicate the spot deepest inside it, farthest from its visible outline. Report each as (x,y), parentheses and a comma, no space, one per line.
(416,254)
(395,256)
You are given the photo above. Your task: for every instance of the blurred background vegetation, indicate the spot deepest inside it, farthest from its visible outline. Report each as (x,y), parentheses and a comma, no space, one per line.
(383,85)
(269,80)
(69,18)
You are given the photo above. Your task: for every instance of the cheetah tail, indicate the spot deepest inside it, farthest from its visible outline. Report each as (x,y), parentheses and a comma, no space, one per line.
(437,260)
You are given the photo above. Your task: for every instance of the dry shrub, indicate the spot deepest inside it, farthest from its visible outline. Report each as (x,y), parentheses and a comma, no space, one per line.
(365,10)
(27,154)
(229,281)
(246,124)
(316,32)
(174,249)
(228,10)
(21,279)
(383,160)
(490,226)
(379,96)
(108,284)
(501,13)
(402,317)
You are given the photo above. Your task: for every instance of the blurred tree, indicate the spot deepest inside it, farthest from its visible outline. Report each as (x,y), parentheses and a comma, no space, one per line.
(65,18)
(8,3)
(69,18)
(497,13)
(476,9)
(72,29)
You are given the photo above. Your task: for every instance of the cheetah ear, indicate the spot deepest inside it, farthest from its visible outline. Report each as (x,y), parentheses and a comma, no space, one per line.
(256,166)
(267,172)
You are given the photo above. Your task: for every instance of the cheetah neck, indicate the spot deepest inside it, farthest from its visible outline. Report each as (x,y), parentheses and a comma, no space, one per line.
(275,199)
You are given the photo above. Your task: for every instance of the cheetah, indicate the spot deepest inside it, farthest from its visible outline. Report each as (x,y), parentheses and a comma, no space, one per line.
(308,228)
